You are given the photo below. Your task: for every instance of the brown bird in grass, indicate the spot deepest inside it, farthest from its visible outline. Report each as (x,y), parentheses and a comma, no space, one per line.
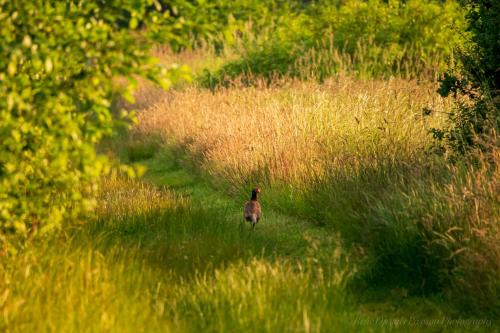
(252,211)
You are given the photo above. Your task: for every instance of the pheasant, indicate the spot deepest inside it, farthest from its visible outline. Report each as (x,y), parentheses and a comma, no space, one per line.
(252,212)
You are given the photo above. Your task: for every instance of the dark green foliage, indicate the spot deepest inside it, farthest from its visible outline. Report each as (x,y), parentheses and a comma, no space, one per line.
(58,67)
(484,20)
(477,77)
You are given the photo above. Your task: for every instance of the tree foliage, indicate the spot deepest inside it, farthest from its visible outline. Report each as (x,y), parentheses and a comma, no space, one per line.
(477,79)
(58,64)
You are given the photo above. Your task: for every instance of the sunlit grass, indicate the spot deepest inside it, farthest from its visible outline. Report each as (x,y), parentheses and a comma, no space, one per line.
(299,131)
(154,267)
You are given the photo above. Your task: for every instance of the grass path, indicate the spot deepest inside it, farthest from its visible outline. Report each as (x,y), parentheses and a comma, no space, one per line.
(279,234)
(285,236)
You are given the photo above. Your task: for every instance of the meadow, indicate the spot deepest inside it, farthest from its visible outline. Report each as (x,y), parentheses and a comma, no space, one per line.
(353,208)
(367,226)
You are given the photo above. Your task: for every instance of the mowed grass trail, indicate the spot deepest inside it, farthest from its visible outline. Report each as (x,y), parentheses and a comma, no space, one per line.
(278,235)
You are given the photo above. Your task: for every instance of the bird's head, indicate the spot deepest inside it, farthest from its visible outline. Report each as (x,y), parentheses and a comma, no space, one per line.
(255,191)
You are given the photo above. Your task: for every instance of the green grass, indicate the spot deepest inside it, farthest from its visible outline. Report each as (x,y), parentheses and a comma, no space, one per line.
(171,253)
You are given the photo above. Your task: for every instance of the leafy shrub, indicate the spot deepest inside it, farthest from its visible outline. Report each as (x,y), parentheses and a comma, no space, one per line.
(222,23)
(57,64)
(476,80)
(370,38)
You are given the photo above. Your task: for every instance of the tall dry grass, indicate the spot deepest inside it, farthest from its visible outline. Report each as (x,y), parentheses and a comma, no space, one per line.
(296,131)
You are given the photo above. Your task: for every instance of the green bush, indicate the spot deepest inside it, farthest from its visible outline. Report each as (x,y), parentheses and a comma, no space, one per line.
(476,77)
(370,38)
(222,23)
(58,67)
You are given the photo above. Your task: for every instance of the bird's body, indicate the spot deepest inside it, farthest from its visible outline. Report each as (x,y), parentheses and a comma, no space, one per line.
(252,211)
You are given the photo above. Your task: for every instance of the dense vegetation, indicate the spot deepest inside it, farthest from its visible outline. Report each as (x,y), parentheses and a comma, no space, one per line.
(365,38)
(57,61)
(331,107)
(475,78)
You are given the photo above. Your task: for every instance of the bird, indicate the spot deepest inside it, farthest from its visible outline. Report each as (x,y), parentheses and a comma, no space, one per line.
(252,211)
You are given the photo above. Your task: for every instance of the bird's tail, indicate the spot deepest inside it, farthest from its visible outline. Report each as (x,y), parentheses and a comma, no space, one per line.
(254,220)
